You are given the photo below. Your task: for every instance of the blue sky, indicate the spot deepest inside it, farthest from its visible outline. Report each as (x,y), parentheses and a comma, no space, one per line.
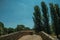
(14,12)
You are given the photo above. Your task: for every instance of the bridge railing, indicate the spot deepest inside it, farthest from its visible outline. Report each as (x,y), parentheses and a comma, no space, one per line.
(15,35)
(11,36)
(45,36)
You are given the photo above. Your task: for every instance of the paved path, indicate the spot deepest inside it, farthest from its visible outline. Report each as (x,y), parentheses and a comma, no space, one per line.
(30,37)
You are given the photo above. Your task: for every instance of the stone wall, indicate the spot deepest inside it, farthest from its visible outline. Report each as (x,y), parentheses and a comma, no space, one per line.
(15,36)
(45,36)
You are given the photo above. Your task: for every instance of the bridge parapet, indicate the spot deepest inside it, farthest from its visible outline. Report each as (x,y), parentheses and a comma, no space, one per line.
(15,36)
(11,36)
(45,36)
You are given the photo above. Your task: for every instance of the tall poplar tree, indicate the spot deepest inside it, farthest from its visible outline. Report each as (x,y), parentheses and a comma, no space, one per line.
(46,18)
(54,17)
(37,19)
(57,10)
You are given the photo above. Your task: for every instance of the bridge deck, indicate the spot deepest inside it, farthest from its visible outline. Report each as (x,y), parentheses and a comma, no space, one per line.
(30,37)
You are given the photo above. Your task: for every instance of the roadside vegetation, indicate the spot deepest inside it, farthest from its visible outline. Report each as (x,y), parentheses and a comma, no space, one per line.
(45,19)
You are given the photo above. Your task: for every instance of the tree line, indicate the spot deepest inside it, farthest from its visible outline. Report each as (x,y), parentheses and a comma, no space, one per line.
(4,30)
(46,18)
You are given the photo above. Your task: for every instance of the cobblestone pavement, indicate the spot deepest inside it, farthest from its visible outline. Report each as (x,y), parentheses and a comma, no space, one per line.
(30,37)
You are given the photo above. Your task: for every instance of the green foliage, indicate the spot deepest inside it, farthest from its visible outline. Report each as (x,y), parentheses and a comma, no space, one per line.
(54,9)
(46,26)
(10,30)
(1,25)
(5,30)
(57,9)
(37,19)
(26,28)
(20,27)
(1,28)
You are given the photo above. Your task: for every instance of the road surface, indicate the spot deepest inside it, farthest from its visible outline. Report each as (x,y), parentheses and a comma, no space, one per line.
(30,37)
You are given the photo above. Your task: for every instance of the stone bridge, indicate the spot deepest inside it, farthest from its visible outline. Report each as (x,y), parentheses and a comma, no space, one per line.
(18,35)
